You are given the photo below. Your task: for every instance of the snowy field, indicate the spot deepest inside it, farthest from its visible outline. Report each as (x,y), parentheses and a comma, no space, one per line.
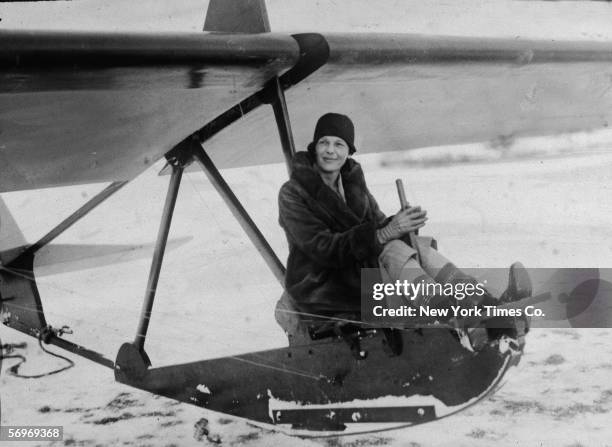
(542,201)
(216,298)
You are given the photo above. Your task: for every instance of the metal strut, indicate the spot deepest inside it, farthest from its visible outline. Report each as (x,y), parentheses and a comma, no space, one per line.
(241,215)
(158,255)
(68,222)
(132,361)
(281,114)
(22,307)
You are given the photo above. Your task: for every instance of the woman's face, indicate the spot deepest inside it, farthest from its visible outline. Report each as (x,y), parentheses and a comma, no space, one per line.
(331,152)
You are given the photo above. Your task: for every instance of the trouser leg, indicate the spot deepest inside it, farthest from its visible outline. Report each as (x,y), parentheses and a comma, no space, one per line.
(449,273)
(443,271)
(432,261)
(398,262)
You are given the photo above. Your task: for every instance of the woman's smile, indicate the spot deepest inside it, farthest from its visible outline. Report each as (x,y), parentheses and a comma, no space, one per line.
(331,153)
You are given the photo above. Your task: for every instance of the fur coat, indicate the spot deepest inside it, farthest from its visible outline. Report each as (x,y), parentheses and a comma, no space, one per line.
(329,240)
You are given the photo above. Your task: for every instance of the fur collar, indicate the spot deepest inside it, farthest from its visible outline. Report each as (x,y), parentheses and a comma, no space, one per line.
(351,213)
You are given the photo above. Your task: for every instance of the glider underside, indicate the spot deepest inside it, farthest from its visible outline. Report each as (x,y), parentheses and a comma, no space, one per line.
(90,107)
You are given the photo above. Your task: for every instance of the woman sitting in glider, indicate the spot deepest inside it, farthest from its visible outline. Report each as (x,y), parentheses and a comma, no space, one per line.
(335,228)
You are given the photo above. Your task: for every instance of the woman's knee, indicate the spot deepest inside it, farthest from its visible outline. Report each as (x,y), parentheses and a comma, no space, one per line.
(395,244)
(396,252)
(397,247)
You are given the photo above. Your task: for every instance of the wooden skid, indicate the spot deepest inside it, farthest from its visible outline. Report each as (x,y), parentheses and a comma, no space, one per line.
(340,415)
(432,363)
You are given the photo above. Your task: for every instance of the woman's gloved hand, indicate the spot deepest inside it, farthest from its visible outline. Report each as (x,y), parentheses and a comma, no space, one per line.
(405,221)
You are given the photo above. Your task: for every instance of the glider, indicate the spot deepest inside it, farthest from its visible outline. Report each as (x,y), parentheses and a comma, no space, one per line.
(88,107)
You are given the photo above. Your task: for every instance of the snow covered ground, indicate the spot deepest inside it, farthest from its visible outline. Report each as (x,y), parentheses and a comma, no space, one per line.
(216,298)
(549,208)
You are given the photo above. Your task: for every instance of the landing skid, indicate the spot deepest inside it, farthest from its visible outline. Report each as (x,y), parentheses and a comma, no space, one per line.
(417,410)
(323,387)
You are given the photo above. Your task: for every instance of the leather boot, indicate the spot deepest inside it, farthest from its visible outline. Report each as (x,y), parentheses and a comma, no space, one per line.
(519,284)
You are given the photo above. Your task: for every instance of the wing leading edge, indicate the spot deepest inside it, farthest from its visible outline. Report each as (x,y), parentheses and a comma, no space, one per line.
(84,107)
(409,91)
(89,107)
